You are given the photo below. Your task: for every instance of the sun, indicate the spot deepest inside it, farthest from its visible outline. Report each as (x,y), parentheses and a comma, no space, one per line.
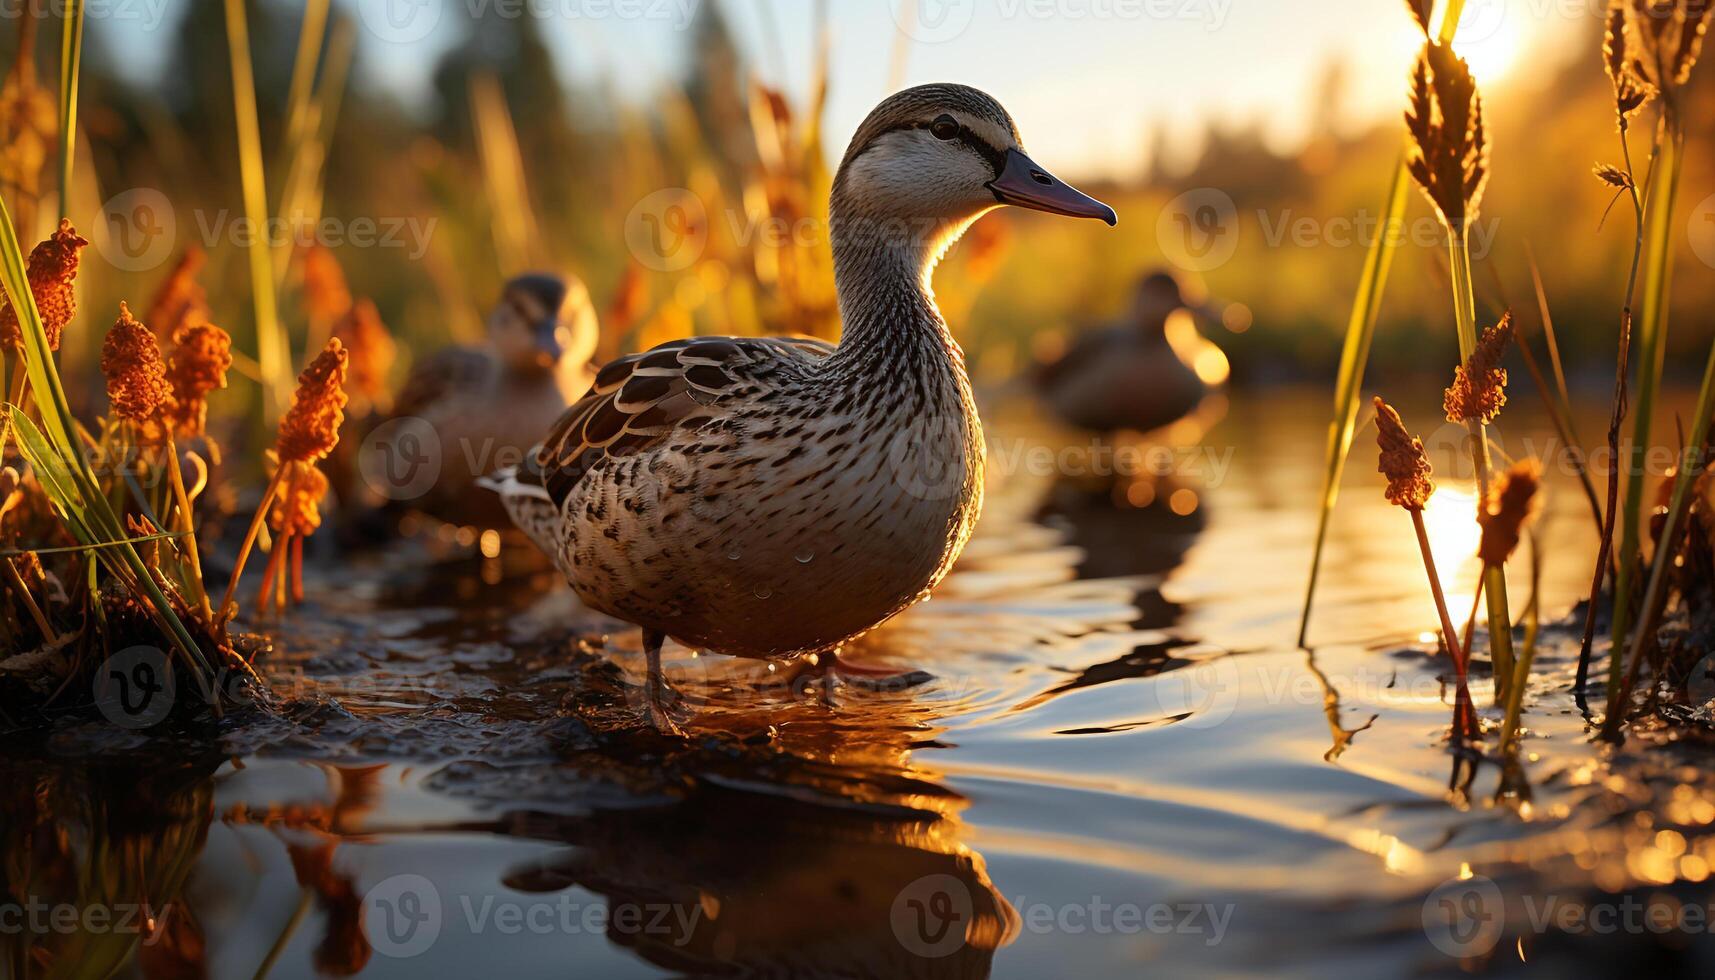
(1489,39)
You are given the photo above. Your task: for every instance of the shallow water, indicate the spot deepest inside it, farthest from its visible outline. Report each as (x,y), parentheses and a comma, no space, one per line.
(1120,762)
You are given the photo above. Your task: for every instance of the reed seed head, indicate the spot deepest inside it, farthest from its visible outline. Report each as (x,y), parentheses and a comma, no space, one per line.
(1666,39)
(310,428)
(202,353)
(1613,176)
(136,376)
(1479,390)
(1631,89)
(326,296)
(1449,154)
(371,348)
(298,509)
(180,299)
(1402,461)
(1511,504)
(51,269)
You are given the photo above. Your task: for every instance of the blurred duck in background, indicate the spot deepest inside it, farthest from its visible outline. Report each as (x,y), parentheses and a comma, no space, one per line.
(486,406)
(1142,373)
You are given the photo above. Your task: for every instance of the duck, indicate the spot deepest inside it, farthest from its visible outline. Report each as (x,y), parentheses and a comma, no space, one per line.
(485,406)
(1129,375)
(776,497)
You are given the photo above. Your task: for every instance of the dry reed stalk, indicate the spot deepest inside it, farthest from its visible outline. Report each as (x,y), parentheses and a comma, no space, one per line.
(1409,486)
(1449,159)
(1605,546)
(309,431)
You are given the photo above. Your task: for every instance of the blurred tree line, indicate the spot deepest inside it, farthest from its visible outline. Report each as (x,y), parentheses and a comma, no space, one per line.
(588,157)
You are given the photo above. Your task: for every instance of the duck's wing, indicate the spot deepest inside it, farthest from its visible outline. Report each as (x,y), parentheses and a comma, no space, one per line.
(640,399)
(441,375)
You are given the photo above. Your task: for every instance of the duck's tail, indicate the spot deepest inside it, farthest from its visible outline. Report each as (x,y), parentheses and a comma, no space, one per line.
(528,504)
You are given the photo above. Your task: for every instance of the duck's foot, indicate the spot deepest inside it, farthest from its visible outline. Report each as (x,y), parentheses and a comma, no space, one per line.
(663,710)
(829,673)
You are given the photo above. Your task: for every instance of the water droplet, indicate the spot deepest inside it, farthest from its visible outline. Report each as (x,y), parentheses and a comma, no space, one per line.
(762,592)
(734,555)
(805,556)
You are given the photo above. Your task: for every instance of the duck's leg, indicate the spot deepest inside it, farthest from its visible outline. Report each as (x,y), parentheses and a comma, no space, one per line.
(656,691)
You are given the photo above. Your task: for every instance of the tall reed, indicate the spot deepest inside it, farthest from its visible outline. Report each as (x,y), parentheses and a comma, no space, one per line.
(1449,159)
(71,59)
(273,352)
(1361,328)
(1664,38)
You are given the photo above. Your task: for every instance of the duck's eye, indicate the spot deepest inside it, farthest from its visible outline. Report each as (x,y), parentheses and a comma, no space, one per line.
(944,128)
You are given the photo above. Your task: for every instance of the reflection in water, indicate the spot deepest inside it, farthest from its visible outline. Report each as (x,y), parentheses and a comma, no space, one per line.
(96,861)
(1150,739)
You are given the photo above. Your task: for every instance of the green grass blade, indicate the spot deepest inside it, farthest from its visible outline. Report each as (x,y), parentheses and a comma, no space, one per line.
(1355,353)
(71,59)
(273,352)
(1348,388)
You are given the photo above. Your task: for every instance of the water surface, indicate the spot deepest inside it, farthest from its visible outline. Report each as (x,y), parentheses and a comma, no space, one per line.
(1121,763)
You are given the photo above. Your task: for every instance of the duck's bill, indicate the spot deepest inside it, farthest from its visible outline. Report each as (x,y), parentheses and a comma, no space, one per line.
(549,350)
(1023,183)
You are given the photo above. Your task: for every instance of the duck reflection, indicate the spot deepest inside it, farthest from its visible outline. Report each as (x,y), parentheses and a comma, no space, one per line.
(734,879)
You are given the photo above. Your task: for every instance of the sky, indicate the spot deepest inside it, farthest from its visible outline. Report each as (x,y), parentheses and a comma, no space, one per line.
(1092,79)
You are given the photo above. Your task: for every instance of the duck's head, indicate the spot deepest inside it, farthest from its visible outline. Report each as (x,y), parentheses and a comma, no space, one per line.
(543,322)
(946,154)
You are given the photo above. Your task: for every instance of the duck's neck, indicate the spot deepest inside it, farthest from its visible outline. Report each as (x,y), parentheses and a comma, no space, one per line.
(889,321)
